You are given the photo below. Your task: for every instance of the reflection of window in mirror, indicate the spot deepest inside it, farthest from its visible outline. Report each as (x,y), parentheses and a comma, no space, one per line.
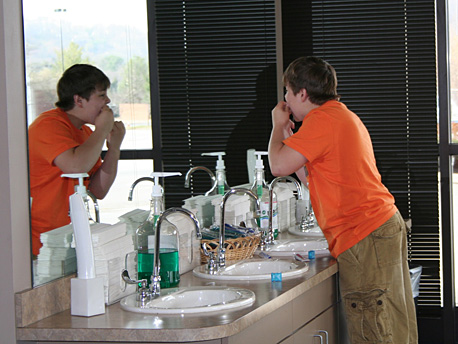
(111,35)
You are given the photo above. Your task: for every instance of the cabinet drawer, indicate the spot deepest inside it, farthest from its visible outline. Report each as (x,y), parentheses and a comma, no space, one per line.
(320,330)
(308,305)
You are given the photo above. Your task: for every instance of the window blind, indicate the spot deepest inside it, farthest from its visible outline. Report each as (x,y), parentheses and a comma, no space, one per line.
(217,81)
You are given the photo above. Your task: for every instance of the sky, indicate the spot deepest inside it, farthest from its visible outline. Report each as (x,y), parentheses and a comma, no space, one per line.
(87,11)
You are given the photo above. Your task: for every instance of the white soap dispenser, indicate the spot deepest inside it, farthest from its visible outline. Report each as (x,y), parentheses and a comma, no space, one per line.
(81,190)
(169,256)
(220,172)
(87,290)
(260,188)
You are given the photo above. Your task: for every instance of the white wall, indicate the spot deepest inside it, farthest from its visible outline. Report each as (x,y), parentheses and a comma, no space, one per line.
(15,271)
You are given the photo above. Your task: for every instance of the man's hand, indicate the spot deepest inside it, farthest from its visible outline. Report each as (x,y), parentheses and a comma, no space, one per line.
(115,137)
(281,120)
(283,160)
(105,120)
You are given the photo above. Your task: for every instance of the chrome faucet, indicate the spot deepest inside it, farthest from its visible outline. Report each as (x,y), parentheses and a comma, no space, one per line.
(221,258)
(155,286)
(308,221)
(210,173)
(96,206)
(270,235)
(132,187)
(154,290)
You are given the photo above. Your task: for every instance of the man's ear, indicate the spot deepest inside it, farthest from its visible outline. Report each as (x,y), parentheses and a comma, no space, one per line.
(78,100)
(304,95)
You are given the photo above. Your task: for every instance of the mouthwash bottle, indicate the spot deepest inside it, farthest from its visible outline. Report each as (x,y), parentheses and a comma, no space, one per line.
(220,172)
(145,236)
(261,189)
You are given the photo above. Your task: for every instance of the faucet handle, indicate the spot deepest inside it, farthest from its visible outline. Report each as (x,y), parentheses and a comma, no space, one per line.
(222,257)
(143,292)
(211,266)
(206,252)
(155,285)
(263,242)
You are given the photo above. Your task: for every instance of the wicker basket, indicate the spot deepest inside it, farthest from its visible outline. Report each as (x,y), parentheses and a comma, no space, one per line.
(236,249)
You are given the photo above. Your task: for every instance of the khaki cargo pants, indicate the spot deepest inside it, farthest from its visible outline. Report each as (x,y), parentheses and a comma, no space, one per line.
(376,289)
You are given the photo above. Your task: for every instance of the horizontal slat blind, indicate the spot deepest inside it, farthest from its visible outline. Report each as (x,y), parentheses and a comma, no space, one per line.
(384,55)
(217,79)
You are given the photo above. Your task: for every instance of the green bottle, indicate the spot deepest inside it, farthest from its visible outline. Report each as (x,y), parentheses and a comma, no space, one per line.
(145,236)
(260,188)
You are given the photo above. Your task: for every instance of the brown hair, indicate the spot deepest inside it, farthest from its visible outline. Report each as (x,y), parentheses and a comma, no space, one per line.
(314,74)
(80,79)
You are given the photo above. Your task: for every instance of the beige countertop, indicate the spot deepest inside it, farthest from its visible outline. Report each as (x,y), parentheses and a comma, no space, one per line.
(118,325)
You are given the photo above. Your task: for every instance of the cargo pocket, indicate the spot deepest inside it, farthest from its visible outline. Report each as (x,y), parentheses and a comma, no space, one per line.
(367,319)
(388,244)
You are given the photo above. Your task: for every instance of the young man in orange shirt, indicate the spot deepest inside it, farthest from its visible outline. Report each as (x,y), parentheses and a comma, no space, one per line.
(61,142)
(356,212)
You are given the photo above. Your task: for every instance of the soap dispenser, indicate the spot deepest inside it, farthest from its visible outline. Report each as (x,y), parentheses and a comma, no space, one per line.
(81,190)
(168,251)
(260,188)
(87,290)
(222,185)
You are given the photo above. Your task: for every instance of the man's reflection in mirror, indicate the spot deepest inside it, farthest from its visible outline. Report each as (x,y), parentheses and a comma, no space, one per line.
(61,142)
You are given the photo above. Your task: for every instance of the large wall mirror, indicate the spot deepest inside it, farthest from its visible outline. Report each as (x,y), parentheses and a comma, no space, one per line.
(202,72)
(111,35)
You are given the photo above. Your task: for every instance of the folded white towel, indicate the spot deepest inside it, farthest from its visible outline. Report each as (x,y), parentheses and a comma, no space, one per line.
(115,248)
(102,234)
(59,237)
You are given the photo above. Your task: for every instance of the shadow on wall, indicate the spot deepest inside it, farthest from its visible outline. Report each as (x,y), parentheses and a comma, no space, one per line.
(253,130)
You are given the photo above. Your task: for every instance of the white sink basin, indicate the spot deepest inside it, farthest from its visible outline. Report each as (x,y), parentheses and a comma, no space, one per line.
(288,248)
(192,300)
(314,232)
(254,269)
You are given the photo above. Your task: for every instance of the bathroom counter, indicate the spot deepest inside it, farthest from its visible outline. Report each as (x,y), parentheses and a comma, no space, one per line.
(274,299)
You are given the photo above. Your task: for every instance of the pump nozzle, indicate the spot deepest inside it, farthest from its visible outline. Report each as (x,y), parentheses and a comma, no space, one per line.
(80,188)
(220,161)
(220,172)
(157,188)
(259,161)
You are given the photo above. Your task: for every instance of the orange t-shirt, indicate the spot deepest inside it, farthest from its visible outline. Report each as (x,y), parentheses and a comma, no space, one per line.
(346,191)
(51,134)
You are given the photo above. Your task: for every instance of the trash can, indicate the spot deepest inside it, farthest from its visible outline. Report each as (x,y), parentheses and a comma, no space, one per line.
(415,274)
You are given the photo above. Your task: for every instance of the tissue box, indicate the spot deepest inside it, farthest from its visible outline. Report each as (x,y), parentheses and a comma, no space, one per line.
(237,209)
(203,208)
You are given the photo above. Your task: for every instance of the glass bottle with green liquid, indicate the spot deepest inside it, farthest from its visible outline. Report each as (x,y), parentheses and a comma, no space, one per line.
(260,188)
(168,251)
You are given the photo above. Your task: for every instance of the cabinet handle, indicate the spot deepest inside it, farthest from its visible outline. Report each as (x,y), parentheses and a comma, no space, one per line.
(319,336)
(326,335)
